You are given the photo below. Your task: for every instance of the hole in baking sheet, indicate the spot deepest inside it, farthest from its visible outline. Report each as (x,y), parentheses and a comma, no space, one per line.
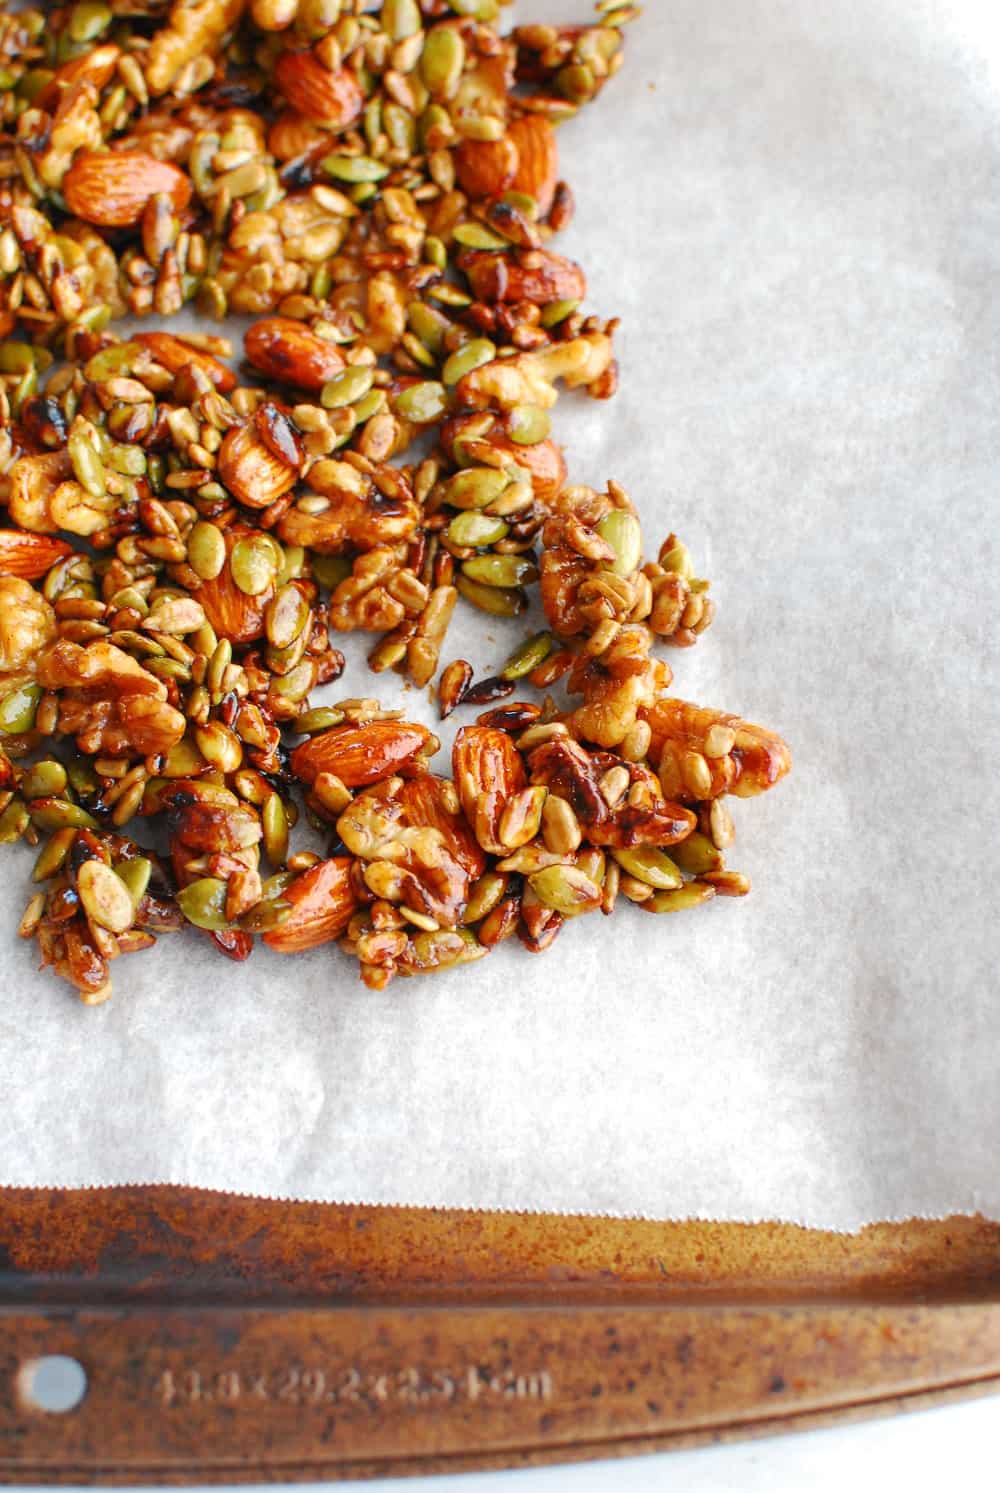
(55,1383)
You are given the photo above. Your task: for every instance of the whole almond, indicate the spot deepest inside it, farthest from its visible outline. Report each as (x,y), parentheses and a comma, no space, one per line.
(231,612)
(286,350)
(486,168)
(535,275)
(29,555)
(488,771)
(331,98)
(253,474)
(174,354)
(537,159)
(111,188)
(359,755)
(323,903)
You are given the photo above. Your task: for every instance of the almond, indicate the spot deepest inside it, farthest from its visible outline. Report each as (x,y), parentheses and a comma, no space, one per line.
(287,350)
(537,159)
(29,555)
(427,800)
(323,903)
(488,770)
(330,98)
(233,613)
(534,275)
(95,67)
(111,188)
(359,755)
(291,136)
(174,354)
(486,168)
(252,472)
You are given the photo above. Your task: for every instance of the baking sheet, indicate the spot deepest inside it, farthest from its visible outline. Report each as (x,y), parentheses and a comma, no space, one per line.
(794,211)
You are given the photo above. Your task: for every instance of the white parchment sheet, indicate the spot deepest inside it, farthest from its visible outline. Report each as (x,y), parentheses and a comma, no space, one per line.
(794,209)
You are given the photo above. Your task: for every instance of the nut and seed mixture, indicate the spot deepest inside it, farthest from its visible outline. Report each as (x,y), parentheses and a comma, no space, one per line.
(378,187)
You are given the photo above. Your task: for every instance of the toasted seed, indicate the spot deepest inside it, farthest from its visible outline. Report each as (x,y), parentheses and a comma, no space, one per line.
(57,813)
(105,897)
(722,831)
(614,785)
(442,60)
(203,903)
(528,424)
(697,774)
(135,874)
(566,889)
(14,820)
(286,617)
(87,465)
(504,571)
(484,894)
(475,487)
(696,854)
(422,403)
(476,530)
(472,354)
(206,550)
(310,722)
(493,599)
(691,895)
(621,530)
(719,740)
(44,780)
(354,168)
(32,916)
(473,235)
(522,817)
(561,831)
(648,864)
(347,387)
(220,746)
(528,656)
(254,564)
(635,745)
(727,883)
(274,822)
(556,311)
(454,681)
(592,862)
(53,855)
(331,792)
(18,707)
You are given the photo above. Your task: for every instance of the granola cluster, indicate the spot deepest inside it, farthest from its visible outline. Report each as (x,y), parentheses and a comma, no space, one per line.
(378,187)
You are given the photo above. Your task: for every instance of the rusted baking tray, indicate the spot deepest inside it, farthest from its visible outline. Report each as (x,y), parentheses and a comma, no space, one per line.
(227,1339)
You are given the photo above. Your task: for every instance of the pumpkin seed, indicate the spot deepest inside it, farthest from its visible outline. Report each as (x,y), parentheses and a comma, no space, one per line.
(286,617)
(135,874)
(527,424)
(206,550)
(647,863)
(442,61)
(436,254)
(53,855)
(321,719)
(484,895)
(17,709)
(88,19)
(429,325)
(528,656)
(556,311)
(566,889)
(493,599)
(265,916)
(360,169)
(621,530)
(14,820)
(203,903)
(32,916)
(473,354)
(475,487)
(500,570)
(422,403)
(44,780)
(474,235)
(274,822)
(58,813)
(87,465)
(476,530)
(253,564)
(346,387)
(219,746)
(330,570)
(697,854)
(105,897)
(691,895)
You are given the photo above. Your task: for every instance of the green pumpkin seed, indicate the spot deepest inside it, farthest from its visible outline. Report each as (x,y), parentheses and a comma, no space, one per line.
(135,874)
(297,683)
(556,311)
(484,895)
(44,780)
(531,653)
(476,530)
(265,916)
(429,325)
(219,746)
(442,61)
(697,854)
(476,10)
(500,570)
(53,855)
(16,357)
(83,778)
(330,570)
(475,487)
(57,813)
(472,354)
(422,403)
(374,401)
(436,254)
(105,897)
(359,169)
(678,560)
(474,235)
(87,465)
(492,599)
(14,820)
(400,126)
(274,822)
(222,657)
(647,863)
(293,564)
(203,903)
(17,709)
(88,19)
(621,530)
(321,719)
(286,617)
(206,552)
(692,895)
(576,82)
(253,564)
(527,424)
(347,387)
(566,889)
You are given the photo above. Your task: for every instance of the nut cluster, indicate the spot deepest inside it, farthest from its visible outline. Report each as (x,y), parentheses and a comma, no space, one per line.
(378,187)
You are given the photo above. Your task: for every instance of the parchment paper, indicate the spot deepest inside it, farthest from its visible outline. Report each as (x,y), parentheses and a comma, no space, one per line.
(794,210)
